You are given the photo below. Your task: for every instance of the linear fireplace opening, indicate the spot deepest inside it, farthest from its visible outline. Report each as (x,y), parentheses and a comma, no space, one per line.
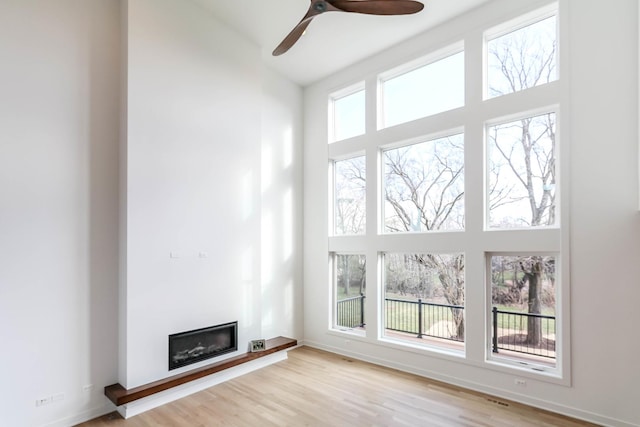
(194,346)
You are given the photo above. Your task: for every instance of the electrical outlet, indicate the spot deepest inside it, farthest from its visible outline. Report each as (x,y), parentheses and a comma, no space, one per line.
(43,401)
(520,382)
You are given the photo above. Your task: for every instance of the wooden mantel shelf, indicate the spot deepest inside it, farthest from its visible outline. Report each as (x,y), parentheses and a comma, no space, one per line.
(120,395)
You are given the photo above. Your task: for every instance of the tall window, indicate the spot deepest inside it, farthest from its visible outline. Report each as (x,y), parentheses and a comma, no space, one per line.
(458,220)
(522,178)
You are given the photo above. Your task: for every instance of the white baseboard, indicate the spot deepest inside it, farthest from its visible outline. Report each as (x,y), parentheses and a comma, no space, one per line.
(527,400)
(142,405)
(83,416)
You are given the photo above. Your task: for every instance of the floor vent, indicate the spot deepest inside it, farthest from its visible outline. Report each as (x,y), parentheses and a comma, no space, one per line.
(497,402)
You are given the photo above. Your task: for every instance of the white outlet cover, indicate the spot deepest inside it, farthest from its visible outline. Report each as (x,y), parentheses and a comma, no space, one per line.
(43,401)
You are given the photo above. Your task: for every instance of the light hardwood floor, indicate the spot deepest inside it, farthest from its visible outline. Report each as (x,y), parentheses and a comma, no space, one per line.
(316,388)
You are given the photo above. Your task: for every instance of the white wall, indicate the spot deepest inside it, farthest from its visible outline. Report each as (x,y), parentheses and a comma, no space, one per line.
(191,163)
(602,85)
(605,242)
(197,155)
(281,214)
(59,83)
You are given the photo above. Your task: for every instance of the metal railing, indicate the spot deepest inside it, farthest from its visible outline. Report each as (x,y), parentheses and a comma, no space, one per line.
(424,318)
(511,331)
(350,312)
(417,317)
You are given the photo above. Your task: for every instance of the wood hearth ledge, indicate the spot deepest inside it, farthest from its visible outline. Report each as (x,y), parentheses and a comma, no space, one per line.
(120,395)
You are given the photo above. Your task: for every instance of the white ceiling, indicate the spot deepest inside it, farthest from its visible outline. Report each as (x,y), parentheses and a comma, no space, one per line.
(333,40)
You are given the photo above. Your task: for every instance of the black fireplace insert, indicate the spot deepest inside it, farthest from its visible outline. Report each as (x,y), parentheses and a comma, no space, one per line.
(194,346)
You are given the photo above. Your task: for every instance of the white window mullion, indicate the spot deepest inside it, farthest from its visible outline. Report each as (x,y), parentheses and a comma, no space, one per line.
(474,199)
(374,197)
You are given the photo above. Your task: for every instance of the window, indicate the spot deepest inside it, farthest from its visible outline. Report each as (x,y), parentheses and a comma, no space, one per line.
(410,94)
(424,299)
(350,290)
(522,58)
(459,221)
(522,172)
(348,113)
(523,314)
(424,186)
(521,194)
(350,196)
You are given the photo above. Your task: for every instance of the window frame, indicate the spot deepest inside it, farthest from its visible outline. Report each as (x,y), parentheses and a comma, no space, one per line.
(555,109)
(433,137)
(337,96)
(476,240)
(423,61)
(429,346)
(529,369)
(515,24)
(332,192)
(333,325)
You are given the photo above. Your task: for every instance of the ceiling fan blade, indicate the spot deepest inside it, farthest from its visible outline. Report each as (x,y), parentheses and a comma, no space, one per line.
(315,8)
(292,37)
(371,7)
(379,7)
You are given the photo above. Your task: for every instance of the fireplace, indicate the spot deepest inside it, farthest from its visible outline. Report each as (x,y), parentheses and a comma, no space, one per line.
(194,346)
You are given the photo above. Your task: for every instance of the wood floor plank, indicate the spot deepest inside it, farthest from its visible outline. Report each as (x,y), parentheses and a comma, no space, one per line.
(316,388)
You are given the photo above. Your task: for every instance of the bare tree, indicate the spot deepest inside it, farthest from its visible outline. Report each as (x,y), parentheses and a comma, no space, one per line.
(529,159)
(522,165)
(350,188)
(424,186)
(523,172)
(528,276)
(451,277)
(351,272)
(424,191)
(523,59)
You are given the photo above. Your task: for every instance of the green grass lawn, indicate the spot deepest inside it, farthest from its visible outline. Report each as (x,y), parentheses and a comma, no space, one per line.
(354,292)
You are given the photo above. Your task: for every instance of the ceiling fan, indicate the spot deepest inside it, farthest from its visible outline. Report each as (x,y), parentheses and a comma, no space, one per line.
(370,7)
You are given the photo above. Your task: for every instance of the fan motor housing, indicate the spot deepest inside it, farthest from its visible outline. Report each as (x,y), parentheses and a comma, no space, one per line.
(320,6)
